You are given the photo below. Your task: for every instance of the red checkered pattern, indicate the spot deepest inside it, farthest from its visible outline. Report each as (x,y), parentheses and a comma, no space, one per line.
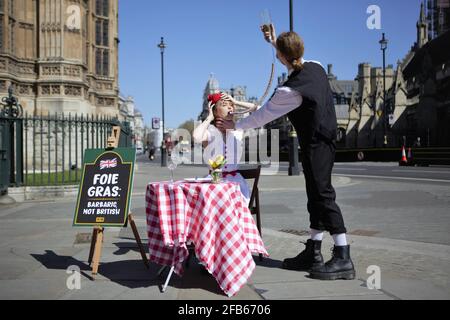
(214,218)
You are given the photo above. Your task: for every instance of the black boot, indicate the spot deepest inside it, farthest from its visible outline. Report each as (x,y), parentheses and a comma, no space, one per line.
(339,267)
(310,257)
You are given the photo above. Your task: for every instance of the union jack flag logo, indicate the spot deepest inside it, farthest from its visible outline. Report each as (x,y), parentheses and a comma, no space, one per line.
(108,164)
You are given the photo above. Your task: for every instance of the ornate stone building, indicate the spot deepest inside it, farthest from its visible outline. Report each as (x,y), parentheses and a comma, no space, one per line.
(438,17)
(60,55)
(417,91)
(365,128)
(427,83)
(343,93)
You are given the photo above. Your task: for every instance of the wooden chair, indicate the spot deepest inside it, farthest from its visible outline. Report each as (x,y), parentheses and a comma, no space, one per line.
(254,174)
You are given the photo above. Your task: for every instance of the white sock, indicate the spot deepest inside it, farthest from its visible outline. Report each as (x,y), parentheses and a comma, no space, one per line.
(316,235)
(340,240)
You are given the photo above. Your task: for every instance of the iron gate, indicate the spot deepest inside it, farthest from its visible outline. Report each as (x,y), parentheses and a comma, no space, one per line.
(49,150)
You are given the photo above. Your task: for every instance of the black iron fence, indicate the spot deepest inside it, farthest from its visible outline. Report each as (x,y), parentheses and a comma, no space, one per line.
(49,150)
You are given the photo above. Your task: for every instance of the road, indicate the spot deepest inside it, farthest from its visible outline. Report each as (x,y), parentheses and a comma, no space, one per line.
(383,171)
(391,171)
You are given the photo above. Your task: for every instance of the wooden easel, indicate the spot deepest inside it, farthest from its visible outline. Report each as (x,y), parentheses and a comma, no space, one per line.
(97,234)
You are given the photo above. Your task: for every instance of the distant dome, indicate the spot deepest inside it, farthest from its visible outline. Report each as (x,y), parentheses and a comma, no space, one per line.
(213,83)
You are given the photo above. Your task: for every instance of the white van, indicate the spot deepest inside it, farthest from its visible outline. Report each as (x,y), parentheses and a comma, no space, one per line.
(139,148)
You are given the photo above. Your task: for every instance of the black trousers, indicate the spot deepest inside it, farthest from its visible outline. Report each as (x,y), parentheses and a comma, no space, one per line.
(318,161)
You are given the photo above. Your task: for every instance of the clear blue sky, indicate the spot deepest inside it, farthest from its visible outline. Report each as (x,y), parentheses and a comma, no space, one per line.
(223,37)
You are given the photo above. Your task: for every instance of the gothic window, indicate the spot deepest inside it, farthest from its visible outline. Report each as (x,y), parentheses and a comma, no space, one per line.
(102,62)
(102,32)
(1,31)
(98,32)
(106,63)
(105,33)
(98,61)
(11,36)
(102,38)
(98,7)
(2,6)
(106,8)
(102,8)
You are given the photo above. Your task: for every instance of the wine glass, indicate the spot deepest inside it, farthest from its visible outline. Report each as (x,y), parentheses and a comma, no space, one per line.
(171,165)
(266,21)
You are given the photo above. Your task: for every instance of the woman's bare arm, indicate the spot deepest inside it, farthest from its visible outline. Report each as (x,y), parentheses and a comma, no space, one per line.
(200,133)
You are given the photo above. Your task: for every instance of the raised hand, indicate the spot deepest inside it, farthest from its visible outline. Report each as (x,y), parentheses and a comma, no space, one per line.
(269,33)
(210,114)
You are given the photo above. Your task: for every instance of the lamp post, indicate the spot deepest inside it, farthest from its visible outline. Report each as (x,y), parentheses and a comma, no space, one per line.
(11,160)
(294,169)
(383,44)
(162,46)
(291,15)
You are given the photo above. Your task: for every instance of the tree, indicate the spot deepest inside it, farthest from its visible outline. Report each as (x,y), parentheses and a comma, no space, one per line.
(188,125)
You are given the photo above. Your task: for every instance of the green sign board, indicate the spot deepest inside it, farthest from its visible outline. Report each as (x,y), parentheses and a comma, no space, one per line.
(105,188)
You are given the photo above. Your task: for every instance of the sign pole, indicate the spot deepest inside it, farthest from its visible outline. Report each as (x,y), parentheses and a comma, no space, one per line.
(97,251)
(93,241)
(98,232)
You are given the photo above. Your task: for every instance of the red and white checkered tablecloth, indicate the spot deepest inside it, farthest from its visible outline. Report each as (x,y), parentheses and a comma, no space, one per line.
(215,218)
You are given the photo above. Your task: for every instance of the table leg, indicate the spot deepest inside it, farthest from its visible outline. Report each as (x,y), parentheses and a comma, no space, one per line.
(171,270)
(168,279)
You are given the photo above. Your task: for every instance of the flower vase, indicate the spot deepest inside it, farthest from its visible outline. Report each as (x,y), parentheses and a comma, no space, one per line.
(216,176)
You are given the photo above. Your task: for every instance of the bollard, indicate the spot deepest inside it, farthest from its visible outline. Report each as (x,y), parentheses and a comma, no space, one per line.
(293,154)
(163,156)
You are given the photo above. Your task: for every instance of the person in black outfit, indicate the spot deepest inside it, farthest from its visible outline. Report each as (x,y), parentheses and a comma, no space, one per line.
(307,99)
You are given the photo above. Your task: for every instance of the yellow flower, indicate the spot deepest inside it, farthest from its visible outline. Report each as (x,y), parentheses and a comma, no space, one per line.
(220,159)
(217,163)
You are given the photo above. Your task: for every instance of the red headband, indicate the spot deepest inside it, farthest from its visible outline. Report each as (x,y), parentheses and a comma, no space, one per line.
(214,98)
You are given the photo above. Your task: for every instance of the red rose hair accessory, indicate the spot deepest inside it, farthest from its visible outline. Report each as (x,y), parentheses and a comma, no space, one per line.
(214,98)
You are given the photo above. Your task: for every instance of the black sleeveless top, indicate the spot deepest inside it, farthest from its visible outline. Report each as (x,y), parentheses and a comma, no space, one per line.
(316,117)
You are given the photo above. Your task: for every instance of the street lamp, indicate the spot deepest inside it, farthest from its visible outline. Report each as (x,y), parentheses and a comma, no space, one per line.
(294,169)
(11,111)
(291,15)
(383,44)
(162,46)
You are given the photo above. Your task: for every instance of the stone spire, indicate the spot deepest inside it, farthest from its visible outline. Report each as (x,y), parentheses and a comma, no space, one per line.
(422,28)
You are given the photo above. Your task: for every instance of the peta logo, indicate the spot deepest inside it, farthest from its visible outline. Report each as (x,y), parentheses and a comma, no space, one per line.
(374,20)
(374,280)
(74,20)
(74,279)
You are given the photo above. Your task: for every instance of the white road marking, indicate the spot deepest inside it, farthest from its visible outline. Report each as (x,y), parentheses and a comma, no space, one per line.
(422,171)
(351,169)
(391,178)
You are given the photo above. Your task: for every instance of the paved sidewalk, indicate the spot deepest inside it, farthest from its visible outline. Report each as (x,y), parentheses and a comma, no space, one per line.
(38,244)
(38,271)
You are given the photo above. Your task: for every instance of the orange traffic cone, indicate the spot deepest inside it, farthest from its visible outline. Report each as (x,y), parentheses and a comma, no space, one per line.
(403,161)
